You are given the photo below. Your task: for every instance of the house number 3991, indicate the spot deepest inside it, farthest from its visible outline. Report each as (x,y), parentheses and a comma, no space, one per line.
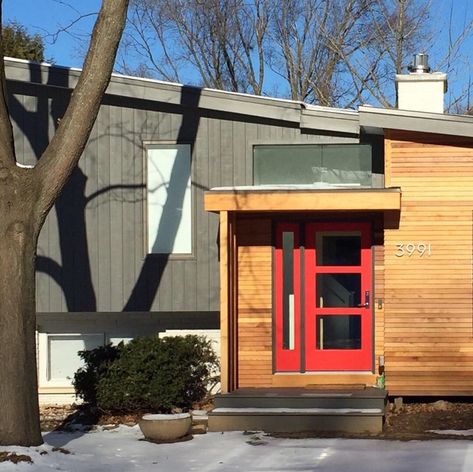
(410,249)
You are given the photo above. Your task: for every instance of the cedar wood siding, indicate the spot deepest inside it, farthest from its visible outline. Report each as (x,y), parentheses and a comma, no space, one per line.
(428,304)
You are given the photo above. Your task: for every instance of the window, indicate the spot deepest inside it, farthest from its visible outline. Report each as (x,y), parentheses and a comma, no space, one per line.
(169,202)
(322,165)
(58,356)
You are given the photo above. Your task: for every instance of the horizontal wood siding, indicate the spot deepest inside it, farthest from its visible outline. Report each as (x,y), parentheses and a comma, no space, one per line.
(428,308)
(92,251)
(254,302)
(379,295)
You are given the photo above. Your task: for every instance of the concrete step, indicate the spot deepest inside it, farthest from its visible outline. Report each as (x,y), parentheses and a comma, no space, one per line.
(288,420)
(303,398)
(354,410)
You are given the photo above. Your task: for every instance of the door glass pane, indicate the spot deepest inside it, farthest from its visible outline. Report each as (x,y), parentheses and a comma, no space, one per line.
(338,290)
(338,332)
(288,289)
(338,248)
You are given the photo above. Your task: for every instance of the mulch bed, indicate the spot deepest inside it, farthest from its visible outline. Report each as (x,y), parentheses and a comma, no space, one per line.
(69,417)
(6,456)
(414,420)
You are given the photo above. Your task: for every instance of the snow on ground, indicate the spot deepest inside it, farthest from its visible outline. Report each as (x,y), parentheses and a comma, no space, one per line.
(453,432)
(123,450)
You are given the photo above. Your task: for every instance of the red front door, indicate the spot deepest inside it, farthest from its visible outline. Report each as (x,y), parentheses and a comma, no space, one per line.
(323,299)
(338,313)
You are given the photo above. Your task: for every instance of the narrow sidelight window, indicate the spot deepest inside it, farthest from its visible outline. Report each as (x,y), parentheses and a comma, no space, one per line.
(288,289)
(287,303)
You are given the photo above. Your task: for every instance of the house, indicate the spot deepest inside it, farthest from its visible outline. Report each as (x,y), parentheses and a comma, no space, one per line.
(327,245)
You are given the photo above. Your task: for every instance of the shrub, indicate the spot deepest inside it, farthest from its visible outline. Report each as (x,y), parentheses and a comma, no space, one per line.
(97,362)
(152,373)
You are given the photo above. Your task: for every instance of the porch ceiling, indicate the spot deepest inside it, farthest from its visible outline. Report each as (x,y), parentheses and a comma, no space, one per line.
(303,198)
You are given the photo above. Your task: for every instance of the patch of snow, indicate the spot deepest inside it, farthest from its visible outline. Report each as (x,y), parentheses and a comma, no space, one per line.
(124,450)
(453,432)
(24,166)
(304,411)
(331,394)
(176,416)
(289,187)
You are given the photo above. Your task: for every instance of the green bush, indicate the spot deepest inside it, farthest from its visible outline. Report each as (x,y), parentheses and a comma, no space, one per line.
(97,362)
(152,373)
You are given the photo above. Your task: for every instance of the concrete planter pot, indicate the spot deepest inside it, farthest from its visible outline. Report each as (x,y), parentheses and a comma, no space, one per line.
(165,427)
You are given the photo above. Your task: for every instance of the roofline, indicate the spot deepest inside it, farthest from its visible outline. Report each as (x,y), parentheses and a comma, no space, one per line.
(178,84)
(423,122)
(204,98)
(306,116)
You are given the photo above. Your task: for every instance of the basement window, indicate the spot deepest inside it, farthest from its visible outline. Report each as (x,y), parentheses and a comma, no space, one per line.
(59,359)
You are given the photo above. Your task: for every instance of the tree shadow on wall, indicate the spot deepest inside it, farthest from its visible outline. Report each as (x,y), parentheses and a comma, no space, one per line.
(149,279)
(73,274)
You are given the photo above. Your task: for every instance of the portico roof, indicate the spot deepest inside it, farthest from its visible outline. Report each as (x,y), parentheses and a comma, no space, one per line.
(302,198)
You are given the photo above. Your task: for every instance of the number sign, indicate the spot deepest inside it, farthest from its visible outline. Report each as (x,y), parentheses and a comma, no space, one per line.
(413,249)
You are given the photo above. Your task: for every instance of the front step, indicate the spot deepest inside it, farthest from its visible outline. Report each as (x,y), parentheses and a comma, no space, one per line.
(302,398)
(296,410)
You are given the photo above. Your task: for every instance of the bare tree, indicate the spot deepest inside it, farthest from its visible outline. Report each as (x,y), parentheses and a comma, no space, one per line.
(26,196)
(328,52)
(399,28)
(229,43)
(456,58)
(222,40)
(313,40)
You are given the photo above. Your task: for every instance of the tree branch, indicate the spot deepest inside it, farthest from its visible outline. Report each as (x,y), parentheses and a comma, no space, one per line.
(67,145)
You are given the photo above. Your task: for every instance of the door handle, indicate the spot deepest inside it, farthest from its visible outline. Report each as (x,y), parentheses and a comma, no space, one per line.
(367,301)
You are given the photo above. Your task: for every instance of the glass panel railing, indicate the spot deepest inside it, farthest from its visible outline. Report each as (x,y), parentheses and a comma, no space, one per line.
(323,165)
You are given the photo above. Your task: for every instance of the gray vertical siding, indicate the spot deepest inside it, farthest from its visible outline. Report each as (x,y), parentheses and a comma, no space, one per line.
(97,260)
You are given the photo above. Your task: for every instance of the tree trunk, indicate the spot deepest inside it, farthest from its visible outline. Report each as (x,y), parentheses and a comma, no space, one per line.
(26,196)
(19,229)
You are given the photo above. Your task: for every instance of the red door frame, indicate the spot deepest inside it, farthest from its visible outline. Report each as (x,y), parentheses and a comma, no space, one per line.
(290,360)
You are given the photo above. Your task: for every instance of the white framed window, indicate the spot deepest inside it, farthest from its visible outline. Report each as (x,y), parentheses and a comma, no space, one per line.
(169,199)
(58,358)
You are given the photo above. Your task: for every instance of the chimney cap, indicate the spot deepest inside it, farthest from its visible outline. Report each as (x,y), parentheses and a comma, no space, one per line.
(420,64)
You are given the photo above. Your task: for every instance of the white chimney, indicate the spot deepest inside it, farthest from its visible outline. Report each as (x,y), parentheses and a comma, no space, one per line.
(421,90)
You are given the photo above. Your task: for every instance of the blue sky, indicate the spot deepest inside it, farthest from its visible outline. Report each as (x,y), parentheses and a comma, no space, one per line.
(49,16)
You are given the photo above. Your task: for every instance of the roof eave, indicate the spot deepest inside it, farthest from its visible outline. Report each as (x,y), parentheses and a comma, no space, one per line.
(405,120)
